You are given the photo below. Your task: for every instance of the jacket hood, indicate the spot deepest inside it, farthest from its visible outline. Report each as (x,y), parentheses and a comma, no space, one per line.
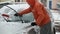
(31,2)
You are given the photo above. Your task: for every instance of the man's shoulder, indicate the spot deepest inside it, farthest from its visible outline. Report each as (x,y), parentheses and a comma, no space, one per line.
(38,4)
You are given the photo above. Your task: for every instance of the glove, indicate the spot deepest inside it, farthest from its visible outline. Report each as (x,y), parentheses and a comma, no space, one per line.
(5,15)
(33,24)
(17,14)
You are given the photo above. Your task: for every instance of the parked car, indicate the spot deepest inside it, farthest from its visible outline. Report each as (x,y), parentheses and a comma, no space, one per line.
(14,25)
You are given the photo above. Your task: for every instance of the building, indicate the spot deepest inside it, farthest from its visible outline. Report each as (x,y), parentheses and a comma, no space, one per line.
(51,4)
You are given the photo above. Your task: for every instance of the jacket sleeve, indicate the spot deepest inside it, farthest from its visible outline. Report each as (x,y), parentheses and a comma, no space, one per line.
(25,11)
(40,15)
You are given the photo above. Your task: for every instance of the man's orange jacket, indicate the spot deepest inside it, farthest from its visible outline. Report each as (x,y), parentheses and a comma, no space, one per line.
(39,12)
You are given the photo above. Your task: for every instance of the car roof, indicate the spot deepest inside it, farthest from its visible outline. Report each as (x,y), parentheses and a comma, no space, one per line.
(16,7)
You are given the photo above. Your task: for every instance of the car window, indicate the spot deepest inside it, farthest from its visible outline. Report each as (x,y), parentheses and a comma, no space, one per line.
(28,17)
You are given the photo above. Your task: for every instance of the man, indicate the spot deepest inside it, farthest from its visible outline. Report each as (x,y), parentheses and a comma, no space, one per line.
(40,14)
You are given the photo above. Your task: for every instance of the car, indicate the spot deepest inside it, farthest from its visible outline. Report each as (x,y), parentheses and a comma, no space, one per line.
(14,25)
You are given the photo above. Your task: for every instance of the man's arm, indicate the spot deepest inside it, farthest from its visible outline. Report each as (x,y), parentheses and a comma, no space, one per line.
(25,11)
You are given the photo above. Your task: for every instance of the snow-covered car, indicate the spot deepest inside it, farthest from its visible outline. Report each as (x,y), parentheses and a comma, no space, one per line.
(56,20)
(14,22)
(15,26)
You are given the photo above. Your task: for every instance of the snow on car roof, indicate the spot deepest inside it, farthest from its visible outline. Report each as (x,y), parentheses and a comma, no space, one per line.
(17,7)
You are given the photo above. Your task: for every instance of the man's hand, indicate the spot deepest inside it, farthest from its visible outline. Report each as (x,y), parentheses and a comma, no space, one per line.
(33,24)
(5,15)
(17,14)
